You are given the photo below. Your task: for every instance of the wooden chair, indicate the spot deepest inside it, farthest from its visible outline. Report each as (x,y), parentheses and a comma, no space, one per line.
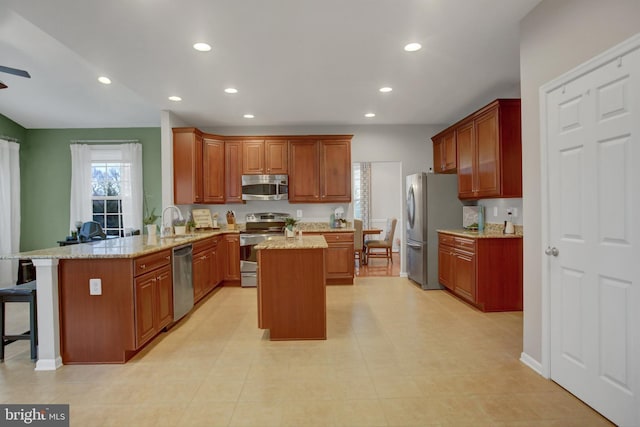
(386,244)
(358,242)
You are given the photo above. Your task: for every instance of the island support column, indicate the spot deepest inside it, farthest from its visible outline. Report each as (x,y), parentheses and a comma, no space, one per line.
(48,315)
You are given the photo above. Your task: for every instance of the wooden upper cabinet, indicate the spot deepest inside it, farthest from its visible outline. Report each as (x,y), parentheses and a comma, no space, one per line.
(233,171)
(466,148)
(489,151)
(265,157)
(276,156)
(213,170)
(320,170)
(335,171)
(253,157)
(444,152)
(304,171)
(187,166)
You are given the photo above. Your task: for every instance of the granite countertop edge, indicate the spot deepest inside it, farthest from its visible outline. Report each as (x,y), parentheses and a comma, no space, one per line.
(483,235)
(123,247)
(281,242)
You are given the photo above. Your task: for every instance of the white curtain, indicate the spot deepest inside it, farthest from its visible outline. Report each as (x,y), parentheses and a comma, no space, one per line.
(80,207)
(9,209)
(130,155)
(132,186)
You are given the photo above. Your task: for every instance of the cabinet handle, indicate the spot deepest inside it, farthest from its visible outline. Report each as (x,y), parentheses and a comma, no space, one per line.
(168,257)
(143,266)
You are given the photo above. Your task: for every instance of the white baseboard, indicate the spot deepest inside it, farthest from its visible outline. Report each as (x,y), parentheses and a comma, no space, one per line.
(404,275)
(531,363)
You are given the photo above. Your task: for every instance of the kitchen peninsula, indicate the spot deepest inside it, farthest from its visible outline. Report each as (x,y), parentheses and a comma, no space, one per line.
(109,320)
(291,287)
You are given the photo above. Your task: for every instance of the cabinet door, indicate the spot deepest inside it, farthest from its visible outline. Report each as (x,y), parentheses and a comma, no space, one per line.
(164,294)
(438,155)
(487,155)
(465,275)
(214,269)
(233,171)
(213,152)
(145,307)
(466,152)
(445,266)
(449,152)
(304,171)
(200,273)
(335,171)
(253,157)
(187,166)
(276,153)
(340,263)
(232,261)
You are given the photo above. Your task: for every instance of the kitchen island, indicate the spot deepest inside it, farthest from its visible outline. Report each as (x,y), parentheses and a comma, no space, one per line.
(291,288)
(110,321)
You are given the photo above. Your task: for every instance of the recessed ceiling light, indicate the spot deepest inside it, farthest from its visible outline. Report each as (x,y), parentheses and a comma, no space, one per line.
(202,47)
(412,47)
(104,80)
(248,116)
(231,90)
(385,89)
(369,115)
(175,98)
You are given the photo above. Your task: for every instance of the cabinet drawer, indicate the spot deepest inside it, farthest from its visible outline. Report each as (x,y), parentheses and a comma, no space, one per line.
(151,262)
(201,245)
(446,239)
(338,237)
(465,244)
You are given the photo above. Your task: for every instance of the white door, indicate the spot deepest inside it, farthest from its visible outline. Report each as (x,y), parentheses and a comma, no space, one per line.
(593,154)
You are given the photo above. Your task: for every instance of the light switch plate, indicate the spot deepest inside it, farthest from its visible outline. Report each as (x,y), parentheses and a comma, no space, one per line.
(95,287)
(299,213)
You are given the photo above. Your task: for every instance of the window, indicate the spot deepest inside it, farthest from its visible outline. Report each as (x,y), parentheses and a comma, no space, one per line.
(106,185)
(361,176)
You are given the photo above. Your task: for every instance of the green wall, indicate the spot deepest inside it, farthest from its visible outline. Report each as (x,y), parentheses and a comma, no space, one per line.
(45,176)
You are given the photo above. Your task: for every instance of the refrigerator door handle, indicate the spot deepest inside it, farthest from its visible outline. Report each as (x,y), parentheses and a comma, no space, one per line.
(413,245)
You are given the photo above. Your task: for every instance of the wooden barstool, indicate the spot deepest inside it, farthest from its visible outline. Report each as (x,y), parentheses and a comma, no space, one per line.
(20,293)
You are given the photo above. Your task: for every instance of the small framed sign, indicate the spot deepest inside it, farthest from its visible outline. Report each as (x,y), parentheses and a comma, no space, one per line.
(202,218)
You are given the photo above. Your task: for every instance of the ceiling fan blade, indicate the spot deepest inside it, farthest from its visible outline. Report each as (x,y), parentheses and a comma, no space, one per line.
(3,86)
(14,71)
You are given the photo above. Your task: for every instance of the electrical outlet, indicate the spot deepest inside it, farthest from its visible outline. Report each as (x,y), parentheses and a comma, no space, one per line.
(495,211)
(95,286)
(299,213)
(514,212)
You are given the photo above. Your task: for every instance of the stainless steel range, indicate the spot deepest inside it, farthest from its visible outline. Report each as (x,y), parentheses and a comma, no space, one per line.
(259,227)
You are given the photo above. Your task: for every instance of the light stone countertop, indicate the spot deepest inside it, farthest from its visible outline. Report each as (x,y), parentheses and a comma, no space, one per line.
(123,247)
(281,242)
(323,227)
(487,234)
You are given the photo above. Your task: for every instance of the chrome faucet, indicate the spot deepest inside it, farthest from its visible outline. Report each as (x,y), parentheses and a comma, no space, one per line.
(168,231)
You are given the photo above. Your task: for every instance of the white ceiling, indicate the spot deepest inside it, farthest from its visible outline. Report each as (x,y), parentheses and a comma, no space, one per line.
(294,62)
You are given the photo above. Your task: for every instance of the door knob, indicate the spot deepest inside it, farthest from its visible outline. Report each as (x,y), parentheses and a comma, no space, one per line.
(552,251)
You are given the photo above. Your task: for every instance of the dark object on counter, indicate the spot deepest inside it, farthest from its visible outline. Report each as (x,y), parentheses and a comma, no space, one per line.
(91,230)
(26,271)
(20,293)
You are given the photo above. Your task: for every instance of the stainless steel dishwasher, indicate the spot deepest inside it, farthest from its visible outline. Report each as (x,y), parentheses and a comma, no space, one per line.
(182,280)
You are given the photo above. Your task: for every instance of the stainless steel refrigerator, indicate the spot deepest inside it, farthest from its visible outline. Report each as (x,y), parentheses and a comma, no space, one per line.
(432,204)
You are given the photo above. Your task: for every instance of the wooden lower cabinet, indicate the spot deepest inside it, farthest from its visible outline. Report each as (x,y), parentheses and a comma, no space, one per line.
(206,271)
(339,258)
(292,293)
(486,272)
(154,303)
(231,259)
(136,303)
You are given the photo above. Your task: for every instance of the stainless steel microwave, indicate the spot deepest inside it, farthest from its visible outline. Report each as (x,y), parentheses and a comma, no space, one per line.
(265,187)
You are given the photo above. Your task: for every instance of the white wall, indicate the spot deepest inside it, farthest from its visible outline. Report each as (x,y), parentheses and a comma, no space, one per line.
(556,36)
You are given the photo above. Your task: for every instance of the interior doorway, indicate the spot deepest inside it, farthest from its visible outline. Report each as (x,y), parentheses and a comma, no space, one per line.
(377,197)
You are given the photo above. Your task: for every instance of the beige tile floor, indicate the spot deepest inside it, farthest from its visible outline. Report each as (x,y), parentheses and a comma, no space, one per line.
(395,356)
